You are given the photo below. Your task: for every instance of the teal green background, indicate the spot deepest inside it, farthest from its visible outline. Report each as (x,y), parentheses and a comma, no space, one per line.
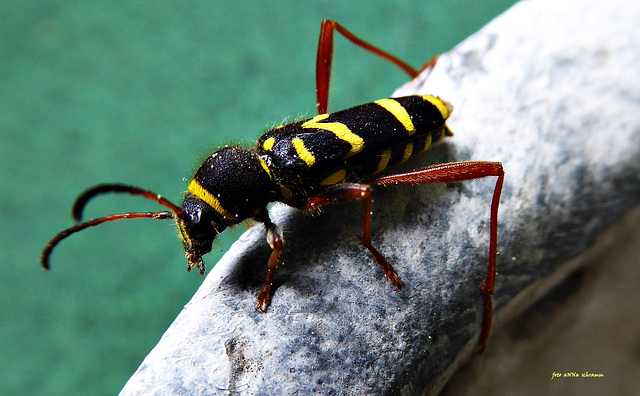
(139,92)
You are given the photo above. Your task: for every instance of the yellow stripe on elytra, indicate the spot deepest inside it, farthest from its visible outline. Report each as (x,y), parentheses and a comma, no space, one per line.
(302,151)
(266,168)
(384,161)
(334,178)
(341,131)
(399,112)
(442,108)
(427,142)
(199,192)
(267,145)
(408,150)
(440,136)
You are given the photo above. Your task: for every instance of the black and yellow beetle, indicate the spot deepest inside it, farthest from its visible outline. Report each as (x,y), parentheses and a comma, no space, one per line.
(328,159)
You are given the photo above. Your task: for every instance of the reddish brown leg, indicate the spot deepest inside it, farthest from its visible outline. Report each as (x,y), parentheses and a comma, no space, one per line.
(276,241)
(324,58)
(342,193)
(429,65)
(460,171)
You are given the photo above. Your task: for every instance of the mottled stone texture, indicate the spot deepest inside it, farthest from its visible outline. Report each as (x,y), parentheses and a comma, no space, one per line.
(552,90)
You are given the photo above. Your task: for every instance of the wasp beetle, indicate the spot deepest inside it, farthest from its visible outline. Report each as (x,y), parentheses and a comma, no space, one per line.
(328,159)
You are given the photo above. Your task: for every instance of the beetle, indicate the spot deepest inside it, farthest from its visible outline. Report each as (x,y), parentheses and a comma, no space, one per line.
(328,159)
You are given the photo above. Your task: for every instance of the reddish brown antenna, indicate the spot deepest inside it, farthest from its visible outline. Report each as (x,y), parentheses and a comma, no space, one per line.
(88,195)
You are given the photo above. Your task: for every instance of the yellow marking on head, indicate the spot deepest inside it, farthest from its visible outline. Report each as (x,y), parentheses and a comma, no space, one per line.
(408,150)
(266,168)
(443,107)
(341,131)
(427,142)
(384,161)
(199,192)
(334,178)
(267,145)
(302,151)
(184,237)
(396,109)
(286,193)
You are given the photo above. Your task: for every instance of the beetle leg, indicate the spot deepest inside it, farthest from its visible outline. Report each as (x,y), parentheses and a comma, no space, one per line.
(276,241)
(455,172)
(324,58)
(349,192)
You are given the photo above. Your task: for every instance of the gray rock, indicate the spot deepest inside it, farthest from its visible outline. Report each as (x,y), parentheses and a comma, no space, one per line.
(553,94)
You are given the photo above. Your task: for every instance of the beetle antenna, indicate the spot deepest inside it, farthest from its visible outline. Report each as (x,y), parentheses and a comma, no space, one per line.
(85,197)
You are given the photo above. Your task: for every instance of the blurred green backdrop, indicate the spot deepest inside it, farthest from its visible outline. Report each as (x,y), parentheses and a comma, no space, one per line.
(139,92)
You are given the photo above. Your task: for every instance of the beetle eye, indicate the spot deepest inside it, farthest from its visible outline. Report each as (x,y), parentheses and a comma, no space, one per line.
(195,216)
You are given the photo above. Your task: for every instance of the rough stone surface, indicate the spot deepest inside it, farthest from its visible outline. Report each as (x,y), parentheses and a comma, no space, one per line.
(580,339)
(553,94)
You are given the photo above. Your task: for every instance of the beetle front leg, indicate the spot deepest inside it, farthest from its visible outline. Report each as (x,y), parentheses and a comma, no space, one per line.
(276,241)
(349,192)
